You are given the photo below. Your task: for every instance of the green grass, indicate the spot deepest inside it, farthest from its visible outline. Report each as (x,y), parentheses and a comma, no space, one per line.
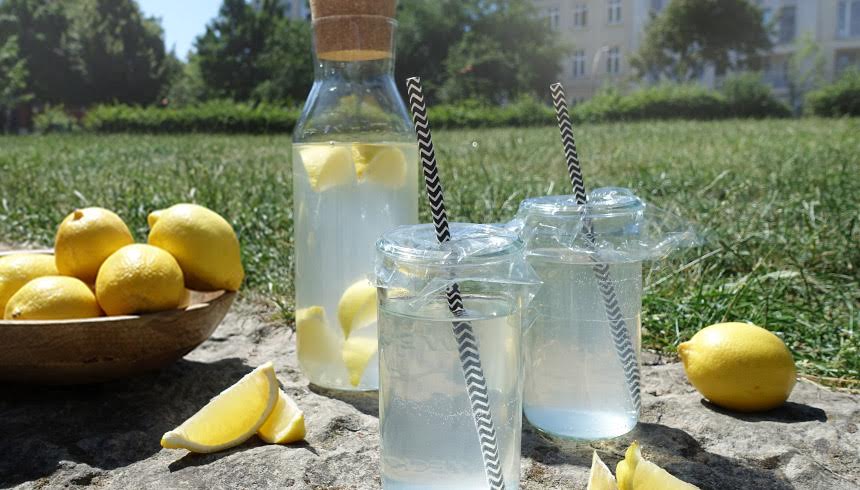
(778,202)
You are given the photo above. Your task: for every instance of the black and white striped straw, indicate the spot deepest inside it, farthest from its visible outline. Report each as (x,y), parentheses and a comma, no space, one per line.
(620,334)
(467,345)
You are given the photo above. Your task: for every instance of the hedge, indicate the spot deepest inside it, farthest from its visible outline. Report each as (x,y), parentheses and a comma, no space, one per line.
(839,99)
(211,117)
(743,97)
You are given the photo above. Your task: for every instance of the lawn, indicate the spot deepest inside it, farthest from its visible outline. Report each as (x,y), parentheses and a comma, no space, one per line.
(778,203)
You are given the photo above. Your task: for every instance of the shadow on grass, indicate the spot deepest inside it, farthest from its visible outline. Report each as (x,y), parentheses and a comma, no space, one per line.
(105,426)
(366,402)
(788,413)
(672,449)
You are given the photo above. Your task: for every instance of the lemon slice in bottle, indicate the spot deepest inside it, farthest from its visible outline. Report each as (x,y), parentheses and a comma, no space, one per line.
(380,164)
(357,353)
(327,166)
(357,307)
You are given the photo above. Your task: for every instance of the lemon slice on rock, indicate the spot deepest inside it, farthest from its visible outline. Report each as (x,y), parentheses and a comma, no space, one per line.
(634,472)
(317,345)
(357,353)
(230,418)
(382,164)
(600,477)
(357,307)
(286,424)
(327,166)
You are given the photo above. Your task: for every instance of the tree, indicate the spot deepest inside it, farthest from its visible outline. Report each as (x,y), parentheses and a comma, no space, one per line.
(692,34)
(51,52)
(122,52)
(805,70)
(505,51)
(13,81)
(231,49)
(287,64)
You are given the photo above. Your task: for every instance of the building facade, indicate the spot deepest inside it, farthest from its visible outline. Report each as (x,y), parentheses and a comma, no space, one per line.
(604,35)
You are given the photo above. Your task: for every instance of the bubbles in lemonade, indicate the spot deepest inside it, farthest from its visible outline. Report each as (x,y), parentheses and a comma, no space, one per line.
(345,196)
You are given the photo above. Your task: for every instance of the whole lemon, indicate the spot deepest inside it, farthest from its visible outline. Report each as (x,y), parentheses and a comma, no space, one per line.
(19,269)
(139,279)
(739,366)
(85,239)
(203,243)
(52,298)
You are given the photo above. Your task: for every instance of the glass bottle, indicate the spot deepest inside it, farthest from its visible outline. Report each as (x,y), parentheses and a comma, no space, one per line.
(355,176)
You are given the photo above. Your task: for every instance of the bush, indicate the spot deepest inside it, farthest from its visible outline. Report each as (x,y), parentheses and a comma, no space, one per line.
(210,117)
(525,111)
(671,101)
(748,96)
(54,119)
(838,99)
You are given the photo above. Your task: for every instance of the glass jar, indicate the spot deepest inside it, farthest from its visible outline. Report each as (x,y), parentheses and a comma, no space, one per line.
(582,346)
(355,176)
(429,433)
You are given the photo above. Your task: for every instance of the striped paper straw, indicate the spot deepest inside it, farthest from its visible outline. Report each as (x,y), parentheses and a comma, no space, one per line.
(467,346)
(617,325)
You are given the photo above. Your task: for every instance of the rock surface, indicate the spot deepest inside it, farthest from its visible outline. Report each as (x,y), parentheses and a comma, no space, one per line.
(107,436)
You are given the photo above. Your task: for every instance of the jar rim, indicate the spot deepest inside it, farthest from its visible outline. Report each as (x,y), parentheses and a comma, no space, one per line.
(471,244)
(605,202)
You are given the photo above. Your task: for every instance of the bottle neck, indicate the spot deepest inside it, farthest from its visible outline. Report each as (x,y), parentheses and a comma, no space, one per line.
(353,71)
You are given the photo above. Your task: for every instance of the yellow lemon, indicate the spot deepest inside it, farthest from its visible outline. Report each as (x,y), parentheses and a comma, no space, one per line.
(327,166)
(140,279)
(636,473)
(19,269)
(203,243)
(286,424)
(382,164)
(52,298)
(357,353)
(357,307)
(600,478)
(85,239)
(231,417)
(739,366)
(317,345)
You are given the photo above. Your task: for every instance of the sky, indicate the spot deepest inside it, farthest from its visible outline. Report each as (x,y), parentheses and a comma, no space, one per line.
(182,20)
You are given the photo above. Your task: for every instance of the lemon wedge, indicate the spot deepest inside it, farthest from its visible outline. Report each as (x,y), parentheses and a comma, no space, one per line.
(627,467)
(357,353)
(600,477)
(634,472)
(649,476)
(230,418)
(318,347)
(357,307)
(327,166)
(382,164)
(286,424)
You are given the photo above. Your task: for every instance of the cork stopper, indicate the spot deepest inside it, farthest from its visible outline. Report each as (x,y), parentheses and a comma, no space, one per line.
(353,30)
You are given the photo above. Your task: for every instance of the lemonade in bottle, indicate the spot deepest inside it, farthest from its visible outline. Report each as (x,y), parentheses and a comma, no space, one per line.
(355,176)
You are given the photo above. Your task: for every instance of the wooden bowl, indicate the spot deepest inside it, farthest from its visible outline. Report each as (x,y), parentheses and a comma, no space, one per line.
(100,349)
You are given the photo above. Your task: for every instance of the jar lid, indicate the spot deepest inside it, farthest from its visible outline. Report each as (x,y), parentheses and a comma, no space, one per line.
(469,244)
(602,203)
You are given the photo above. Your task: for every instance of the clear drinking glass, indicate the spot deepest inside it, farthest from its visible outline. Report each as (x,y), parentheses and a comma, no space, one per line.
(575,383)
(427,428)
(355,176)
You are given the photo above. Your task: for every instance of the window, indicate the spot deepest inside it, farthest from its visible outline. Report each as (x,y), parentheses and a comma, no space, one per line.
(553,17)
(787,24)
(580,15)
(848,18)
(614,12)
(613,61)
(579,63)
(657,6)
